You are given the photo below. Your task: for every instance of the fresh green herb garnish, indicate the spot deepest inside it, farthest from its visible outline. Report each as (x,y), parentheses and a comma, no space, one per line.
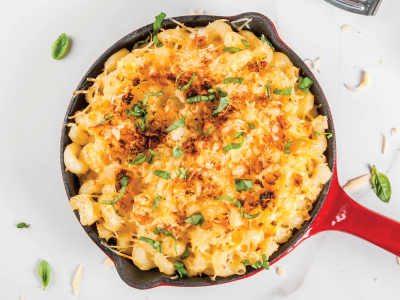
(156,29)
(381,185)
(174,98)
(201,131)
(108,117)
(328,134)
(60,47)
(180,268)
(265,263)
(243,185)
(196,219)
(284,92)
(236,80)
(124,184)
(156,244)
(137,44)
(288,144)
(141,157)
(118,213)
(251,126)
(23,225)
(305,84)
(185,254)
(235,201)
(258,264)
(44,273)
(157,202)
(162,174)
(200,98)
(246,44)
(177,124)
(182,88)
(167,233)
(146,97)
(247,216)
(265,40)
(268,86)
(177,152)
(151,156)
(182,173)
(223,101)
(235,145)
(234,49)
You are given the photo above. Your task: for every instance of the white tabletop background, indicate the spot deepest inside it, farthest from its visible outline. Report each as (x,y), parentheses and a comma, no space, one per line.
(35,91)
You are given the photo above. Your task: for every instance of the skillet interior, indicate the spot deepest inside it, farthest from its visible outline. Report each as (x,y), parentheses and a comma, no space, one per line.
(129,273)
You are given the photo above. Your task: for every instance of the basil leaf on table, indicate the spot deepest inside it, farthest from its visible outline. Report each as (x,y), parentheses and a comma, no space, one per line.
(60,47)
(156,244)
(44,273)
(381,185)
(124,184)
(23,225)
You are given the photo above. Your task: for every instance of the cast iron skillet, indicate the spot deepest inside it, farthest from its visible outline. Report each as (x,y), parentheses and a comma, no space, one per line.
(333,210)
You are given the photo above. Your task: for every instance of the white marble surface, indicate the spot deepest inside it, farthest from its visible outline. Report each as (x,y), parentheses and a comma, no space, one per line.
(34,94)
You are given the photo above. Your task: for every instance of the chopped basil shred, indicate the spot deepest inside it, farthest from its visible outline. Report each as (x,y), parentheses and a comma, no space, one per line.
(44,273)
(258,264)
(235,201)
(60,46)
(23,225)
(137,44)
(182,173)
(265,263)
(156,29)
(141,157)
(236,80)
(124,184)
(156,244)
(265,40)
(151,156)
(180,268)
(243,185)
(246,44)
(185,254)
(177,152)
(288,144)
(268,86)
(251,126)
(118,213)
(201,131)
(146,97)
(381,185)
(328,134)
(305,84)
(177,124)
(167,233)
(108,117)
(235,49)
(223,101)
(200,98)
(182,88)
(195,219)
(235,145)
(162,174)
(284,92)
(174,98)
(247,216)
(157,202)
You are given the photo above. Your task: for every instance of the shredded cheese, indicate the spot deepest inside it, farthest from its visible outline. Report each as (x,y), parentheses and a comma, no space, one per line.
(365,81)
(108,262)
(394,131)
(356,183)
(398,260)
(194,12)
(280,271)
(76,284)
(346,28)
(385,144)
(315,64)
(21,297)
(245,24)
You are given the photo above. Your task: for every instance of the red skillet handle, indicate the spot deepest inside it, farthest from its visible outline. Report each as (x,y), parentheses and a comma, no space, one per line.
(341,213)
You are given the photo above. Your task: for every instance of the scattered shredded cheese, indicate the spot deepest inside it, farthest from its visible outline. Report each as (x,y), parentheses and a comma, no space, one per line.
(21,297)
(365,81)
(398,260)
(76,284)
(315,64)
(358,182)
(108,262)
(245,24)
(394,131)
(346,28)
(355,67)
(174,277)
(195,12)
(375,280)
(183,25)
(381,62)
(280,271)
(385,145)
(360,33)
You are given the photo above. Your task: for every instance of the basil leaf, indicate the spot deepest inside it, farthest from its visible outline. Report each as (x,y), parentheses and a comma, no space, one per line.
(177,152)
(268,86)
(247,216)
(146,97)
(235,145)
(201,131)
(151,156)
(246,44)
(196,219)
(243,184)
(162,174)
(137,44)
(381,185)
(284,92)
(156,29)
(328,134)
(60,46)
(167,233)
(288,144)
(177,124)
(251,126)
(235,201)
(258,264)
(174,98)
(265,262)
(187,85)
(124,184)
(236,80)
(185,254)
(200,98)
(265,40)
(139,110)
(23,225)
(118,213)
(182,173)
(156,244)
(141,157)
(305,84)
(108,117)
(231,49)
(157,202)
(180,268)
(223,102)
(44,273)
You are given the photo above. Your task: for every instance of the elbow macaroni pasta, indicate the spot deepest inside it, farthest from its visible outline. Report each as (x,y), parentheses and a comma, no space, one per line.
(285,186)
